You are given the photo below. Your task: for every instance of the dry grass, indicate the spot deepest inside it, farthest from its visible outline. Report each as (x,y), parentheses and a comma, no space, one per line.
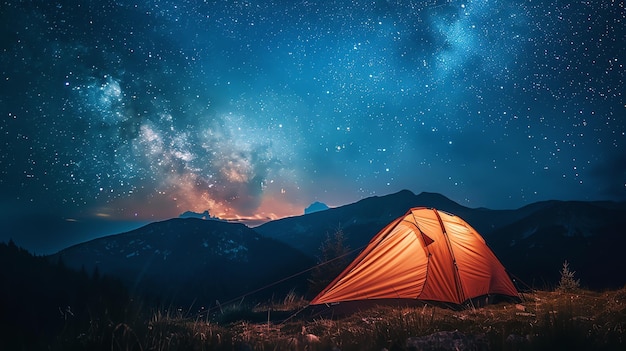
(544,321)
(291,302)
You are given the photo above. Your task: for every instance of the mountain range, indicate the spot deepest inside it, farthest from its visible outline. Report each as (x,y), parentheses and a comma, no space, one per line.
(190,259)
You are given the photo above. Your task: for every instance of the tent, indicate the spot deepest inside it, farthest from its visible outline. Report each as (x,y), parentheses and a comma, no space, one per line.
(425,255)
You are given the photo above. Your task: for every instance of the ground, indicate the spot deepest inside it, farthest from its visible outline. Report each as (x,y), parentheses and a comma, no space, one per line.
(542,321)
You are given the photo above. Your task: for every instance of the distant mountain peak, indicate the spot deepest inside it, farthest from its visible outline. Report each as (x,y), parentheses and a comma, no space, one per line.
(316,207)
(406,192)
(427,194)
(428,199)
(203,215)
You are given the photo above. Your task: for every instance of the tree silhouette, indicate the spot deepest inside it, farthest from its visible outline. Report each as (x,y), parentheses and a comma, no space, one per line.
(332,260)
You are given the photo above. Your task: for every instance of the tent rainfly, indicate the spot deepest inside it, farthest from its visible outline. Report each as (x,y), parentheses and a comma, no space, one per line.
(426,255)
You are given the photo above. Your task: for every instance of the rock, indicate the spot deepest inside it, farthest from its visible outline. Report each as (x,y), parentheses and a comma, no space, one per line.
(308,338)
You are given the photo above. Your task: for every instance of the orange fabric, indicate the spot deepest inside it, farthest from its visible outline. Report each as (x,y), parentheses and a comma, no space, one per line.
(425,254)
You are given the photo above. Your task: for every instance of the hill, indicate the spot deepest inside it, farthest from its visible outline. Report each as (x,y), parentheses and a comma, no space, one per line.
(182,261)
(43,304)
(589,235)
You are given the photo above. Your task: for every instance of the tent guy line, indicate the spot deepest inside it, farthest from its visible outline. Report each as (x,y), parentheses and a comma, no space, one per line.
(252,292)
(424,240)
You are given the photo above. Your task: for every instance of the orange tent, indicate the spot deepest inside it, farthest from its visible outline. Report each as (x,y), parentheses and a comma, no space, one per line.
(426,254)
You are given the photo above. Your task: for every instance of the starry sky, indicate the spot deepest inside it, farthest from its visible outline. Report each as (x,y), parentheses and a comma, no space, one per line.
(120,111)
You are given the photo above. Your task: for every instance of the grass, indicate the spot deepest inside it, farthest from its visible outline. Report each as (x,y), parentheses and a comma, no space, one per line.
(580,320)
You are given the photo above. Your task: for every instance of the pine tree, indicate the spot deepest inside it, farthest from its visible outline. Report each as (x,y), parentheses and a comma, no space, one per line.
(568,282)
(332,260)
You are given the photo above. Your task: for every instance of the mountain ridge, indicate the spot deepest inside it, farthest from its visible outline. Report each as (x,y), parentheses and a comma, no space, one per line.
(364,218)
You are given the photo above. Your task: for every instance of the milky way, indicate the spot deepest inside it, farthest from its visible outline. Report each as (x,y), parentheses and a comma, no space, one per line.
(254,109)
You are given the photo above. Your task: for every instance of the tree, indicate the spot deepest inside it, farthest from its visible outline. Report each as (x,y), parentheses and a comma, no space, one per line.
(332,260)
(568,282)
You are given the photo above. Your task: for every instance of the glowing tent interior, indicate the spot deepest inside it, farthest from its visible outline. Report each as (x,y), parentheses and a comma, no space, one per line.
(425,255)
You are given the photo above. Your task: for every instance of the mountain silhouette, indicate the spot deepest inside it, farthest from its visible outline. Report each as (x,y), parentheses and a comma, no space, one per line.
(185,260)
(589,235)
(360,221)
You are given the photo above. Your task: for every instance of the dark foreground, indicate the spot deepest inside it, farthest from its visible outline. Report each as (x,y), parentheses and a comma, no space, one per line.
(581,320)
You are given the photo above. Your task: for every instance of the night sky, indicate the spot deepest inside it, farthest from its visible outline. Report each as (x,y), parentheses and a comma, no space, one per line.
(125,111)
